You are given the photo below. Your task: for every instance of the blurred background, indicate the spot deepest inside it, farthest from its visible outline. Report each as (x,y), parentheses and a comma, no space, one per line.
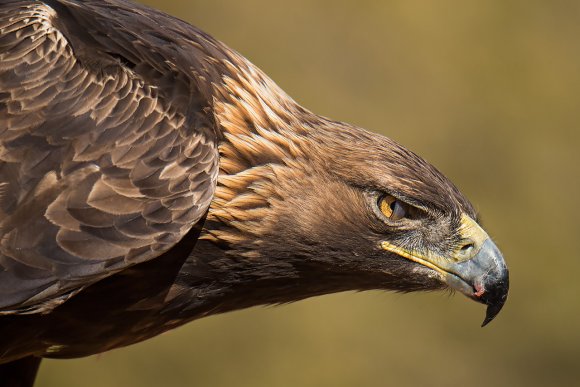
(489,92)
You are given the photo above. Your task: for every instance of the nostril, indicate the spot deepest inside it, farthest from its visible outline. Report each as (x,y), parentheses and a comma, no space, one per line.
(467,247)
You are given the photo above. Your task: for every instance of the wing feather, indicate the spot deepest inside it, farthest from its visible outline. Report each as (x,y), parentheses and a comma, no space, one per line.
(102,165)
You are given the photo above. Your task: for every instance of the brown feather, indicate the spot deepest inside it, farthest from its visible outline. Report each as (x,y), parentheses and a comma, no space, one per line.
(91,133)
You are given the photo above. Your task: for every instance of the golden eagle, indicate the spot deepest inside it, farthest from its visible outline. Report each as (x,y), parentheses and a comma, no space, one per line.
(150,176)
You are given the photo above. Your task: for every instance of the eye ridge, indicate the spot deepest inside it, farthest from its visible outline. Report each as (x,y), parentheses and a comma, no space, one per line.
(393,208)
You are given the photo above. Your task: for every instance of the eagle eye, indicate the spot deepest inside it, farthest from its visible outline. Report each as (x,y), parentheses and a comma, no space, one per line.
(393,208)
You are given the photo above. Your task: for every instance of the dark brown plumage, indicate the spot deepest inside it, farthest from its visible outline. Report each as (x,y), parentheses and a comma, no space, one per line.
(114,120)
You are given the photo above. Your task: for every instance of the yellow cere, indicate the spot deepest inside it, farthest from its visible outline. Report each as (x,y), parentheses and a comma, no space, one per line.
(470,230)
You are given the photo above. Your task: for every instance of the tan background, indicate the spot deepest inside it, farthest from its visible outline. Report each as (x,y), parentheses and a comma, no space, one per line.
(486,90)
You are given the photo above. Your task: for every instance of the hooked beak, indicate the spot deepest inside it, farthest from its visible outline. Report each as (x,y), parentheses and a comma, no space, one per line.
(483,278)
(476,269)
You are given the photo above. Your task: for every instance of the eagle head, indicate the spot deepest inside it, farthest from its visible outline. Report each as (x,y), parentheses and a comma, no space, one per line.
(311,206)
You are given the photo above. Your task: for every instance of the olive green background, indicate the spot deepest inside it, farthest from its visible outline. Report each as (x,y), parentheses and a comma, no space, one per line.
(488,91)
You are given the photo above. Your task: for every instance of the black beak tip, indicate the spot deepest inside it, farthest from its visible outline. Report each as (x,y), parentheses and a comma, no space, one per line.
(495,299)
(491,312)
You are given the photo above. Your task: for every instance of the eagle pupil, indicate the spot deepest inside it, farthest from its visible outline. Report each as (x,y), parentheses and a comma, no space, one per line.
(399,211)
